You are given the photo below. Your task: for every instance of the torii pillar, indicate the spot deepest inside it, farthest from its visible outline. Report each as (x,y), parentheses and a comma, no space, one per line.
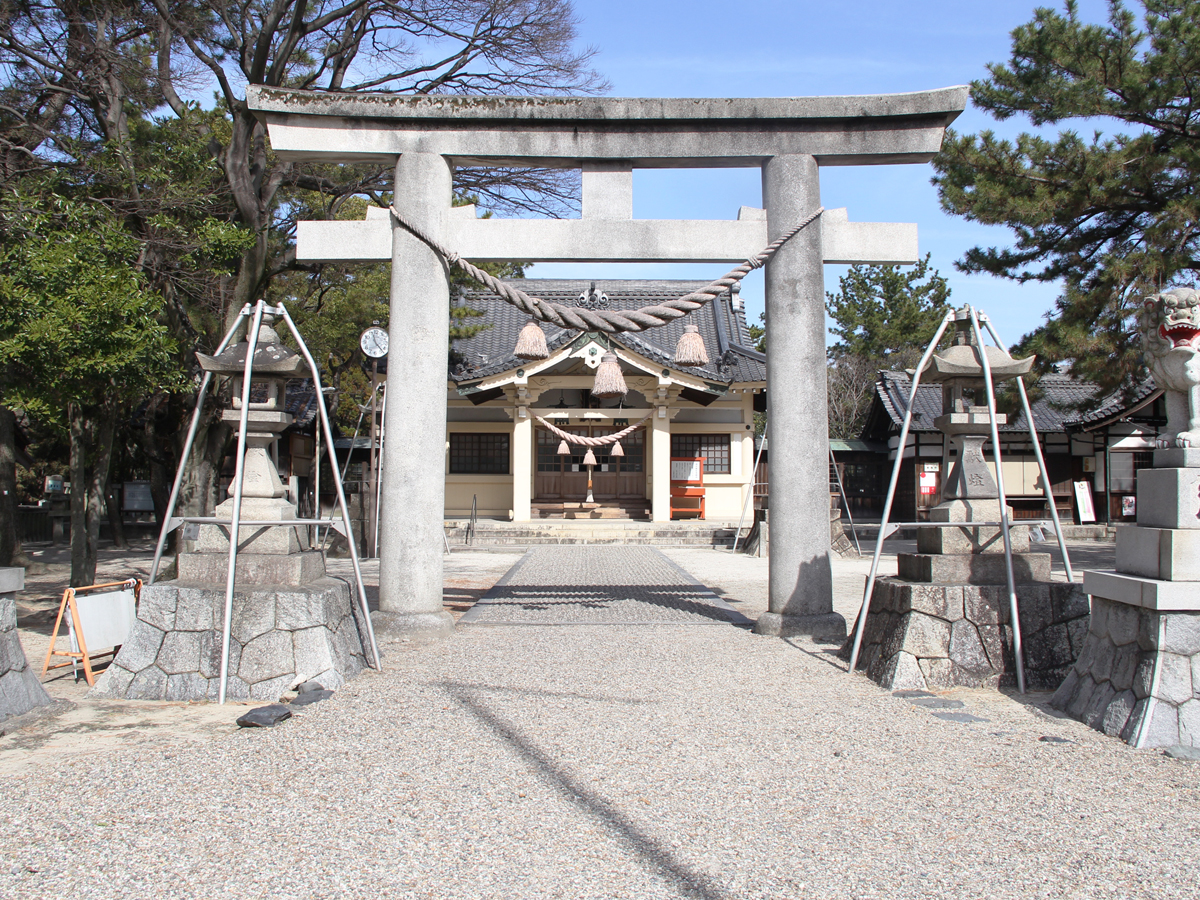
(789,139)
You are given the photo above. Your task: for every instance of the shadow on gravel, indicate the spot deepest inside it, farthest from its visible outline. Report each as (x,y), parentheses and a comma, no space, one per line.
(828,655)
(653,855)
(685,598)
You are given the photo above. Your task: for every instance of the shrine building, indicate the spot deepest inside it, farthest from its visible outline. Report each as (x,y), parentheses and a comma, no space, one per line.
(501,457)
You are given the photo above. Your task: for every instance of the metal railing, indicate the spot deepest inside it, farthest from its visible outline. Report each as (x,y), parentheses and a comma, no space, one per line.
(472,522)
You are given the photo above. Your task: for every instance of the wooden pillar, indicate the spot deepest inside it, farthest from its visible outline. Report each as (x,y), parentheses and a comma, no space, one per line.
(660,469)
(522,457)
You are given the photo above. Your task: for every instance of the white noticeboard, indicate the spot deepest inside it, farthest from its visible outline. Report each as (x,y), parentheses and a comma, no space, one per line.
(106,619)
(685,470)
(1083,500)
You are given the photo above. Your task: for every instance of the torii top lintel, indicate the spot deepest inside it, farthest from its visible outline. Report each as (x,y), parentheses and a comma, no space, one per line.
(879,129)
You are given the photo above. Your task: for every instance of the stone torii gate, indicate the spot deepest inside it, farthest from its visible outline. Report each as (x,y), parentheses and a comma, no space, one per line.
(789,139)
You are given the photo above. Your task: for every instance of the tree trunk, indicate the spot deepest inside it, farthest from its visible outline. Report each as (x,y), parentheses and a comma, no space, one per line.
(83,571)
(98,484)
(116,522)
(8,486)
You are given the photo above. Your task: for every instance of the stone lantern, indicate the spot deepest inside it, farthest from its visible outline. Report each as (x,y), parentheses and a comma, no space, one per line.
(945,620)
(970,492)
(275,555)
(289,622)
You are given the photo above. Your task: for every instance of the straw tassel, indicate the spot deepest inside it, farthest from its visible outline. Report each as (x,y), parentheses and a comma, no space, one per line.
(589,458)
(689,351)
(616,449)
(609,381)
(563,449)
(531,343)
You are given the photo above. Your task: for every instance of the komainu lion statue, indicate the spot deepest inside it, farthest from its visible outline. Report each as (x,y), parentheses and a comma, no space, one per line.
(1171,338)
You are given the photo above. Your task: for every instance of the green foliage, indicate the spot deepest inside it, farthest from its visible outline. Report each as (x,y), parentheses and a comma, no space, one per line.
(78,323)
(880,312)
(884,318)
(1113,216)
(758,334)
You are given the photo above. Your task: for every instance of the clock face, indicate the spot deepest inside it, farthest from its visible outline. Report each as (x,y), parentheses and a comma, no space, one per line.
(374,342)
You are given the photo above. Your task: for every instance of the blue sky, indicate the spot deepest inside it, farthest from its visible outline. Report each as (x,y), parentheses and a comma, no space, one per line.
(781,49)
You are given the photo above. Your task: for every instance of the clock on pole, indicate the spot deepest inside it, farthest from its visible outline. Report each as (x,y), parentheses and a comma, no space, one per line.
(374,342)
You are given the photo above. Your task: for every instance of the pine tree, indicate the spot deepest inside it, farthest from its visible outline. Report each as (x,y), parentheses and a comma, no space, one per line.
(1114,216)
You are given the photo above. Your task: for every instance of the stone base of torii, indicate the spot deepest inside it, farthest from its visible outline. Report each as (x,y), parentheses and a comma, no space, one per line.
(789,139)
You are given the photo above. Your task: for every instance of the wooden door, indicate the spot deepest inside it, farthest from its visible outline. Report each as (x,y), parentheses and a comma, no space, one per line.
(547,480)
(604,475)
(565,477)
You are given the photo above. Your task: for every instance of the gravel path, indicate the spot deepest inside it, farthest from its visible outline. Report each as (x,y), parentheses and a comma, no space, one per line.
(613,761)
(600,585)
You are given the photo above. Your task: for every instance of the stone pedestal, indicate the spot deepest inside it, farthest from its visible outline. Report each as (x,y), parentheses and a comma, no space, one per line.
(280,637)
(20,688)
(936,636)
(1138,677)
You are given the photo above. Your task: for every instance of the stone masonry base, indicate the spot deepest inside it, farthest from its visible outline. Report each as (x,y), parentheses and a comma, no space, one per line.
(1138,677)
(935,636)
(280,637)
(20,688)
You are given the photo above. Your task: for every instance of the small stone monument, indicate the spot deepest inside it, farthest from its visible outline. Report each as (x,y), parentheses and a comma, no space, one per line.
(291,622)
(1138,677)
(20,689)
(945,619)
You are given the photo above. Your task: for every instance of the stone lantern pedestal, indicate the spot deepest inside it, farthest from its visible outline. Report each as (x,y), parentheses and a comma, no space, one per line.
(1138,677)
(945,620)
(20,688)
(291,623)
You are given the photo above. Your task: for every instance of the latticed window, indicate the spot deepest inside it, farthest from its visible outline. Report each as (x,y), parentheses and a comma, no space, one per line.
(714,448)
(478,454)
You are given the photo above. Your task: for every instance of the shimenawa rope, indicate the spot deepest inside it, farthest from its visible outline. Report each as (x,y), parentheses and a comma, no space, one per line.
(606,320)
(594,441)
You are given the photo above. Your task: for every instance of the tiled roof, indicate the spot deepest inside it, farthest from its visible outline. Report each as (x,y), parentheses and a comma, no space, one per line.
(1061,397)
(1116,405)
(728,343)
(301,402)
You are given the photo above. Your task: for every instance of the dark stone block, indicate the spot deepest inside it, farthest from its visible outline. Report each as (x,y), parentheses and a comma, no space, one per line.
(1036,608)
(1048,649)
(265,716)
(1069,602)
(309,697)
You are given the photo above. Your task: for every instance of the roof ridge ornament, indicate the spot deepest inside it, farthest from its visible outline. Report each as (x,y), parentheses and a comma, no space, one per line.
(592,299)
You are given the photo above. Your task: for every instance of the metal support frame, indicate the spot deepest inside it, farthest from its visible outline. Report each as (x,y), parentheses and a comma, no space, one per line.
(1037,452)
(837,476)
(187,445)
(737,534)
(1014,610)
(860,625)
(378,473)
(171,521)
(238,478)
(886,528)
(341,493)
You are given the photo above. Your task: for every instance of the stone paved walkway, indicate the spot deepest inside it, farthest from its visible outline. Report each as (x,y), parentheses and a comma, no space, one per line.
(599,585)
